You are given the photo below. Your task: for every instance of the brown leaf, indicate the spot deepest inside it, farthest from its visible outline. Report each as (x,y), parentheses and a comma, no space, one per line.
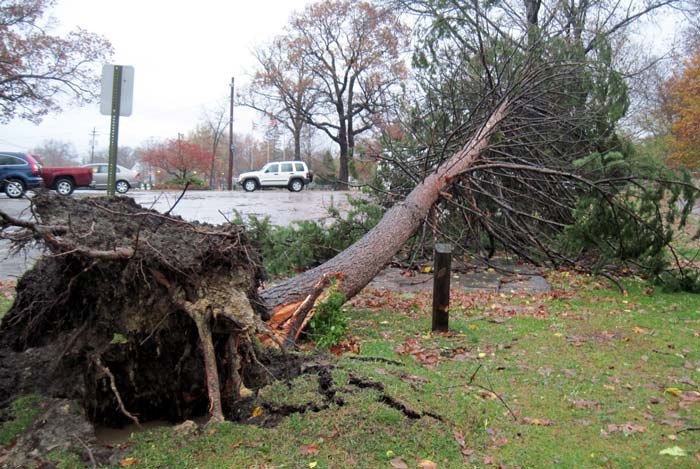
(584,404)
(126,462)
(460,357)
(426,464)
(309,450)
(626,428)
(459,438)
(540,422)
(398,463)
(418,379)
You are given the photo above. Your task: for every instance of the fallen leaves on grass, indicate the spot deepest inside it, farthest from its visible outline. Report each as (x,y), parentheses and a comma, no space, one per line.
(686,397)
(309,450)
(126,462)
(351,345)
(624,428)
(406,378)
(584,404)
(398,463)
(538,422)
(511,311)
(426,464)
(459,438)
(600,337)
(426,357)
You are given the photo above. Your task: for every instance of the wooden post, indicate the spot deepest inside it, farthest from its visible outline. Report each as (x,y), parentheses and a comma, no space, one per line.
(441,287)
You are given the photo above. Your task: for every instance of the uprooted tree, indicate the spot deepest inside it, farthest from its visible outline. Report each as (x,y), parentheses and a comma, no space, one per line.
(139,314)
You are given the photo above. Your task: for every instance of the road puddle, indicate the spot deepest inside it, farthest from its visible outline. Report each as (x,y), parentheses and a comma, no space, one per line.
(109,436)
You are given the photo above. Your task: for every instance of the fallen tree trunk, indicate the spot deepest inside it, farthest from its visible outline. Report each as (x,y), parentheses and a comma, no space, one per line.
(362,261)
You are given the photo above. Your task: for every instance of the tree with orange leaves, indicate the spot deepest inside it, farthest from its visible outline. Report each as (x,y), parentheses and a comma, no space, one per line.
(179,158)
(684,106)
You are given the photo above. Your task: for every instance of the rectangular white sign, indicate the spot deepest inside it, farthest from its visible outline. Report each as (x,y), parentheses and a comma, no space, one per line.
(127,97)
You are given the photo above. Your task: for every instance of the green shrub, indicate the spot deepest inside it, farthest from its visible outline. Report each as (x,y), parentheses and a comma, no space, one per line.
(179,183)
(329,324)
(634,223)
(306,244)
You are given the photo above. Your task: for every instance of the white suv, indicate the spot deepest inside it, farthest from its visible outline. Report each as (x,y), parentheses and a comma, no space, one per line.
(293,175)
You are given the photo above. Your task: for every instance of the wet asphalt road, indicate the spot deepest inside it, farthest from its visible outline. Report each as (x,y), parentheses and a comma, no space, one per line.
(283,208)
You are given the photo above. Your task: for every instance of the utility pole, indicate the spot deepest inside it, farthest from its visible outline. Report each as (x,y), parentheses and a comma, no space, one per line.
(92,145)
(179,151)
(230,141)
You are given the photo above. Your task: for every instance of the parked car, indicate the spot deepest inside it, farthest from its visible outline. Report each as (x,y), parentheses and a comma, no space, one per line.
(125,178)
(65,180)
(18,172)
(293,175)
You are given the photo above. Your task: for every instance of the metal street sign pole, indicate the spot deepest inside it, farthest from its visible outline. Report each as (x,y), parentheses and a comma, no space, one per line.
(230,141)
(114,129)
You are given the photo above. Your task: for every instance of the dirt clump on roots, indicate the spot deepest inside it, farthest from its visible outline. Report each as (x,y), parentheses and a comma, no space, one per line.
(135,315)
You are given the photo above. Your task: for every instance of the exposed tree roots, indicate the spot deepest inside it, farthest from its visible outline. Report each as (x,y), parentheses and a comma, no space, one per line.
(137,315)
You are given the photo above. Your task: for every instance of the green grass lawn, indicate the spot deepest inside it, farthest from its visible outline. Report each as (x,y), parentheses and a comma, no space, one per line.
(5,304)
(581,377)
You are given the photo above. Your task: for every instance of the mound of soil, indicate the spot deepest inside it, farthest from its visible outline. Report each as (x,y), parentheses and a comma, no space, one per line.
(135,315)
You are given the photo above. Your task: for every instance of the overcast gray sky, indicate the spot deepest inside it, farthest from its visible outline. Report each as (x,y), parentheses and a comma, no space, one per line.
(184,54)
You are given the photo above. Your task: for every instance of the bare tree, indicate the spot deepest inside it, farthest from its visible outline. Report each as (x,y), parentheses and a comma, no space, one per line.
(56,153)
(37,69)
(126,156)
(353,52)
(282,88)
(212,130)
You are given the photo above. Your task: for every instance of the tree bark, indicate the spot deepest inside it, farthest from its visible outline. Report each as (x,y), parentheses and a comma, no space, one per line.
(297,143)
(367,257)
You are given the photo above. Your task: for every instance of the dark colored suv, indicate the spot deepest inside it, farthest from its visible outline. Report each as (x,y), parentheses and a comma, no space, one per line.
(18,172)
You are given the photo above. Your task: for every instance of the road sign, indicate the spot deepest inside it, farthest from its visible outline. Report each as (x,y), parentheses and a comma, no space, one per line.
(127,90)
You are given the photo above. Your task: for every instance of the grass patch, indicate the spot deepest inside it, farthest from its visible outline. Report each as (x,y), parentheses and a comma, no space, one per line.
(23,411)
(5,304)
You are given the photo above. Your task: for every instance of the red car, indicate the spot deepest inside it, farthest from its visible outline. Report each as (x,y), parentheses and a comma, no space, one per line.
(65,180)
